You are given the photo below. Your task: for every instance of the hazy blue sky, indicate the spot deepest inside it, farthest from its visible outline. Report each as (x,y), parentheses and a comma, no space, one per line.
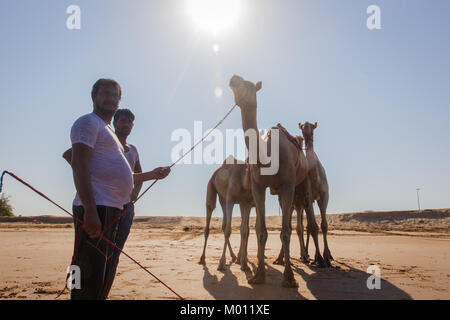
(381,98)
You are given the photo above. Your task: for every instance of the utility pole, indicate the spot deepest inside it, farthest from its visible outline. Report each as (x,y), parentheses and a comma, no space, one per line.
(418,199)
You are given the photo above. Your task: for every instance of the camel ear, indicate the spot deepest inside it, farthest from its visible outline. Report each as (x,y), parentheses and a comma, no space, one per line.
(300,126)
(258,85)
(315,125)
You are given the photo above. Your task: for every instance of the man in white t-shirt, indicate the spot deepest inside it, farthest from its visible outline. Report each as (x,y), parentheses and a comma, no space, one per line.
(104,181)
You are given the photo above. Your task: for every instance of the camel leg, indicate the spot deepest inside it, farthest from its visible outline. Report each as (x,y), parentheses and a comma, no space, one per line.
(233,256)
(259,195)
(239,256)
(323,203)
(280,259)
(226,228)
(303,251)
(209,210)
(307,239)
(286,197)
(245,232)
(313,229)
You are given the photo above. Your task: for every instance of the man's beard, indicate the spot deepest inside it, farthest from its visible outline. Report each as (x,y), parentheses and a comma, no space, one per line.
(105,111)
(123,133)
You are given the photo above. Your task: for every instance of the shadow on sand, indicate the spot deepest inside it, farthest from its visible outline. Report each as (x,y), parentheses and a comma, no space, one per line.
(341,282)
(228,288)
(345,282)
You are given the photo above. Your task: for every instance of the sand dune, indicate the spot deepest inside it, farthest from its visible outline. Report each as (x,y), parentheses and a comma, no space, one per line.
(436,220)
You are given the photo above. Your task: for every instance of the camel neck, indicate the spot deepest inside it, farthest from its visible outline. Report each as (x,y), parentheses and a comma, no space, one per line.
(250,126)
(249,121)
(309,143)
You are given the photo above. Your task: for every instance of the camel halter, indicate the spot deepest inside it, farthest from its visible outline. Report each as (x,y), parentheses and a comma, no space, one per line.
(117,218)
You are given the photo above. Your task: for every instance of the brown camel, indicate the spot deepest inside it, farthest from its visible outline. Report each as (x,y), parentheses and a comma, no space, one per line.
(319,183)
(288,174)
(231,182)
(303,200)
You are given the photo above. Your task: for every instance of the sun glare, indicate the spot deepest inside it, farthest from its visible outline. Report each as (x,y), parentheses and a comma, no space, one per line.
(214,15)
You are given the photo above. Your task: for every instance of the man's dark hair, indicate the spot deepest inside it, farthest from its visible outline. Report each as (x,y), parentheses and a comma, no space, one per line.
(124,113)
(104,83)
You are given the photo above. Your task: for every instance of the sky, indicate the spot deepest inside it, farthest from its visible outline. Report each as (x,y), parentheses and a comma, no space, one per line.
(380,97)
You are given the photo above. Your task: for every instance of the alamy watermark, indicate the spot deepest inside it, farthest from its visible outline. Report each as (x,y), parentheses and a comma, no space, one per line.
(374,20)
(74,279)
(374,281)
(73,21)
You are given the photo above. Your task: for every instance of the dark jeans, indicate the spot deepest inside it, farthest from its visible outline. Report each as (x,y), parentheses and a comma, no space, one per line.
(123,231)
(94,256)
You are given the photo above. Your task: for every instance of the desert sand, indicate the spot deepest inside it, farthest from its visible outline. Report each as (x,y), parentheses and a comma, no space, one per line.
(412,250)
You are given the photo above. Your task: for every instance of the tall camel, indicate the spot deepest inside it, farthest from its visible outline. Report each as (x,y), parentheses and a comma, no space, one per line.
(283,182)
(319,183)
(231,182)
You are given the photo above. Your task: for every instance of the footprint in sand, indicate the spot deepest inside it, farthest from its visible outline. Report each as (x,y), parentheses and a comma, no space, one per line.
(46,291)
(42,284)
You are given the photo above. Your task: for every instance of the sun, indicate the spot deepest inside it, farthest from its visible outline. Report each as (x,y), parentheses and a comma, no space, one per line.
(214,16)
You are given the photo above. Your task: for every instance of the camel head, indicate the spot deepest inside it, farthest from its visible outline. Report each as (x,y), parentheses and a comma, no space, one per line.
(307,128)
(244,91)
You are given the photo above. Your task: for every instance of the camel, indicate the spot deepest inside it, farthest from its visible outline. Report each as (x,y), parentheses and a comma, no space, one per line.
(302,200)
(231,183)
(319,183)
(290,173)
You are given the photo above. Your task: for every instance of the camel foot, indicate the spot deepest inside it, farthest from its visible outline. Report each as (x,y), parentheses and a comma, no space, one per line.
(319,262)
(259,278)
(245,267)
(288,279)
(279,261)
(289,283)
(327,255)
(221,266)
(202,261)
(304,259)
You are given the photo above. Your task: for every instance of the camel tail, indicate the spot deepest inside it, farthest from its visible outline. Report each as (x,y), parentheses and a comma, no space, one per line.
(211,197)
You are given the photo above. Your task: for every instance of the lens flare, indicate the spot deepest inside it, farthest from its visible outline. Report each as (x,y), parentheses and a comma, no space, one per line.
(214,15)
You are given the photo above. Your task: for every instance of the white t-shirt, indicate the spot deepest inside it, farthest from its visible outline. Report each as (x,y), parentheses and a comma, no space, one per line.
(132,156)
(111,174)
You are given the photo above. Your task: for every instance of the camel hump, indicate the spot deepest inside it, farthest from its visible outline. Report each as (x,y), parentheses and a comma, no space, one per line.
(269,132)
(290,137)
(229,159)
(232,160)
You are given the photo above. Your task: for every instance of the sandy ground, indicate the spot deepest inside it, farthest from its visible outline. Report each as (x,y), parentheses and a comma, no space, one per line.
(414,265)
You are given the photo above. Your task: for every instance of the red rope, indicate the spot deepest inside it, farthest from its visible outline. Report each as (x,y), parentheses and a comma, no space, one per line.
(121,214)
(79,232)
